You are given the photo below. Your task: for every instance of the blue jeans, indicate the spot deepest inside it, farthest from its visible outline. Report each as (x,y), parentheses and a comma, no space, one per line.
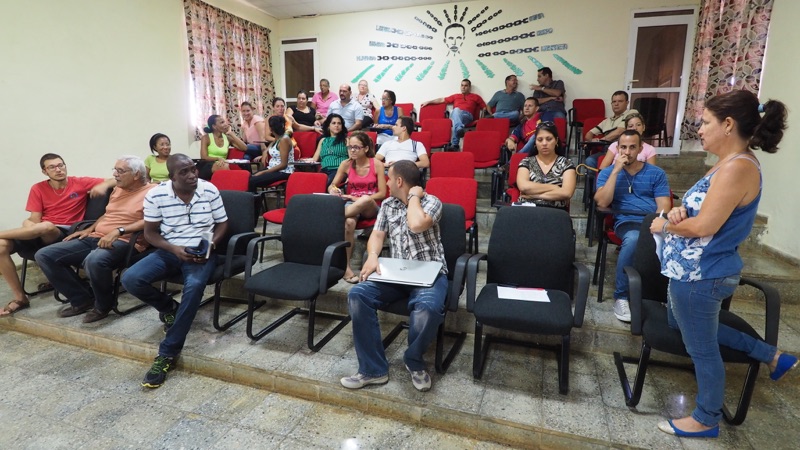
(58,261)
(628,232)
(693,308)
(528,147)
(253,151)
(550,116)
(460,119)
(427,313)
(513,116)
(139,279)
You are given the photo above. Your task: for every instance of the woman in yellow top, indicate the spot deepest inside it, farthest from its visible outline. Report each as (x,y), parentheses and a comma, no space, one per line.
(156,164)
(214,146)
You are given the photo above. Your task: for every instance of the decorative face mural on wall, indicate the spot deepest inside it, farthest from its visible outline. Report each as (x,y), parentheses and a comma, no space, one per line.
(500,46)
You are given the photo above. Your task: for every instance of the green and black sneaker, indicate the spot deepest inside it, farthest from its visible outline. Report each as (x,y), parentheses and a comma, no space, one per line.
(158,372)
(169,318)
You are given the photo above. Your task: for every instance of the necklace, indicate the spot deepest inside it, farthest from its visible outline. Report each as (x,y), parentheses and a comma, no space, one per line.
(63,189)
(544,165)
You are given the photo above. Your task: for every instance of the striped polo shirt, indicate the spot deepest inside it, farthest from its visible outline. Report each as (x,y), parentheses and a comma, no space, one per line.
(184,223)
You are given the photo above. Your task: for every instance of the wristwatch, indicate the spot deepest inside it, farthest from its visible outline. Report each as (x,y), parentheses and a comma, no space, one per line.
(121,230)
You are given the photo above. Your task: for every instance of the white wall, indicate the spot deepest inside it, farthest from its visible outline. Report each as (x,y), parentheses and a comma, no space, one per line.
(781,72)
(91,80)
(597,37)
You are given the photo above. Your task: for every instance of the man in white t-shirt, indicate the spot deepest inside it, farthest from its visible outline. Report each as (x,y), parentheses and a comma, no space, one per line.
(404,148)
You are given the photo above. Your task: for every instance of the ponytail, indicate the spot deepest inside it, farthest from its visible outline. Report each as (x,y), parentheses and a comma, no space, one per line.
(769,131)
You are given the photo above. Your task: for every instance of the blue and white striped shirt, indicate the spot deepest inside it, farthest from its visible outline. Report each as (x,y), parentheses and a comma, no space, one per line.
(184,223)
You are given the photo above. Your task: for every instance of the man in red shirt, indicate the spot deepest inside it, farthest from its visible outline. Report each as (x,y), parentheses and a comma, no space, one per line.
(466,107)
(54,204)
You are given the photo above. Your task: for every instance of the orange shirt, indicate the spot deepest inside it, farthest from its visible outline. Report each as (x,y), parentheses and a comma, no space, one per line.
(124,208)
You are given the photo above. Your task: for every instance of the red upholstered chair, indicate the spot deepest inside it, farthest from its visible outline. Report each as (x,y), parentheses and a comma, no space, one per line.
(499,125)
(437,111)
(307,142)
(441,130)
(463,192)
(231,180)
(561,126)
(408,110)
(453,165)
(235,153)
(372,135)
(582,109)
(512,191)
(484,146)
(425,138)
(298,183)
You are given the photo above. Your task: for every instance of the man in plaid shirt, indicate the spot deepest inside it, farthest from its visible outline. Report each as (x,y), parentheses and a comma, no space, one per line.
(411,219)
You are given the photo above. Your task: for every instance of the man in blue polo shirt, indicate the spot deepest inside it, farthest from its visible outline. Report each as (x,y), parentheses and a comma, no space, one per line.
(508,102)
(630,185)
(176,214)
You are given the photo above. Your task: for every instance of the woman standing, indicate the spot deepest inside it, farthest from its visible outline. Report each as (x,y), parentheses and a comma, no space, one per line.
(302,115)
(281,156)
(332,149)
(546,179)
(387,117)
(156,164)
(368,102)
(700,256)
(648,154)
(366,188)
(214,146)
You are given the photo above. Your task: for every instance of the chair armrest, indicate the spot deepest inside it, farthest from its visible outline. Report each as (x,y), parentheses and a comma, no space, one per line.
(251,256)
(132,246)
(327,257)
(635,299)
(77,226)
(457,283)
(229,252)
(772,300)
(472,276)
(582,294)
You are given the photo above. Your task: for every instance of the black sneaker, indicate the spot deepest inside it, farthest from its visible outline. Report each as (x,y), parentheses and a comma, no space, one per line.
(158,372)
(168,319)
(460,133)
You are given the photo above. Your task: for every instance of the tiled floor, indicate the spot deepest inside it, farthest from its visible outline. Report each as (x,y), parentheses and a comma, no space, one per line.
(73,391)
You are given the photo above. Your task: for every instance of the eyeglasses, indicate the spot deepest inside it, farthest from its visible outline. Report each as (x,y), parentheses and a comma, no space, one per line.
(355,147)
(61,166)
(120,171)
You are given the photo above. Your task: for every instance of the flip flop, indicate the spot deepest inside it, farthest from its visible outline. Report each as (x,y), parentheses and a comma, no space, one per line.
(351,280)
(20,305)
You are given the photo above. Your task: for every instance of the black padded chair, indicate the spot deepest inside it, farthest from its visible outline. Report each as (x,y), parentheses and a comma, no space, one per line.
(529,248)
(230,255)
(648,299)
(451,227)
(313,261)
(654,111)
(95,207)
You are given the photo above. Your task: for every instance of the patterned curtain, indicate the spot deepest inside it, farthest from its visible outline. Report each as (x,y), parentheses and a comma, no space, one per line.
(229,61)
(728,53)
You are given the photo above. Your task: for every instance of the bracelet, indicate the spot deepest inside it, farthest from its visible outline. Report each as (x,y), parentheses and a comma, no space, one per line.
(374,253)
(664,227)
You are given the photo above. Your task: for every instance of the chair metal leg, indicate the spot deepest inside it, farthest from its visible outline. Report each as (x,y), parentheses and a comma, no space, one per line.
(312,313)
(563,365)
(43,287)
(117,291)
(219,299)
(745,397)
(632,397)
(600,268)
(441,363)
(480,352)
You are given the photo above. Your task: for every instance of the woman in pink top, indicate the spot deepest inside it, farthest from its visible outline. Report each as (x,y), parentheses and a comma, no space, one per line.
(322,100)
(648,152)
(254,131)
(366,188)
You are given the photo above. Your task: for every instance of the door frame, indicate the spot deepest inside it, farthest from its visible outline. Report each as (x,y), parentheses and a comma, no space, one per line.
(685,19)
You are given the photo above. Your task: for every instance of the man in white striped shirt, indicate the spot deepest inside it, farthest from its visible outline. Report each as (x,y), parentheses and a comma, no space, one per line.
(176,214)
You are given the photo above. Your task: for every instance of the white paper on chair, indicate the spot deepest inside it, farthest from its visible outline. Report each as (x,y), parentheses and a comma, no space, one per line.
(524,294)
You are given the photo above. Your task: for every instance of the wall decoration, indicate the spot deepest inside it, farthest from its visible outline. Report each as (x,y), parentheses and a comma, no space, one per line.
(444,34)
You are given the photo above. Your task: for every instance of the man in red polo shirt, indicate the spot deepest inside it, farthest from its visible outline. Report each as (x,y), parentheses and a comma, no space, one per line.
(466,106)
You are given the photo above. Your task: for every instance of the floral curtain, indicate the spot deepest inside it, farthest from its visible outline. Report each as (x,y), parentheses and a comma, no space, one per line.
(229,62)
(728,53)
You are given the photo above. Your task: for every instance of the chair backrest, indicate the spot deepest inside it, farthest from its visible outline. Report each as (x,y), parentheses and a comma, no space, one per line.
(590,123)
(513,168)
(425,138)
(231,180)
(440,130)
(451,229)
(453,164)
(235,153)
(532,247)
(654,112)
(588,107)
(460,191)
(484,145)
(432,111)
(561,126)
(645,261)
(307,141)
(240,208)
(499,125)
(311,224)
(96,207)
(305,183)
(408,109)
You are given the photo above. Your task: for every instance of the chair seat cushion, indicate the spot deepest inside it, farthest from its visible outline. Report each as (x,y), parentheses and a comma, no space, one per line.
(553,318)
(290,281)
(660,336)
(275,215)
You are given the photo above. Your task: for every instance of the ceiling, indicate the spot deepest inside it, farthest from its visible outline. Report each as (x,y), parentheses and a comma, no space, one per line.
(287,9)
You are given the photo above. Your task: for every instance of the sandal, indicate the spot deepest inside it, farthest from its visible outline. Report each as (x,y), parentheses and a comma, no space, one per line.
(14,306)
(352,280)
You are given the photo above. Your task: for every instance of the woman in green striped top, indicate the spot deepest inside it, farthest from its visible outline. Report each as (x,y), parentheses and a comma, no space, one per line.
(332,148)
